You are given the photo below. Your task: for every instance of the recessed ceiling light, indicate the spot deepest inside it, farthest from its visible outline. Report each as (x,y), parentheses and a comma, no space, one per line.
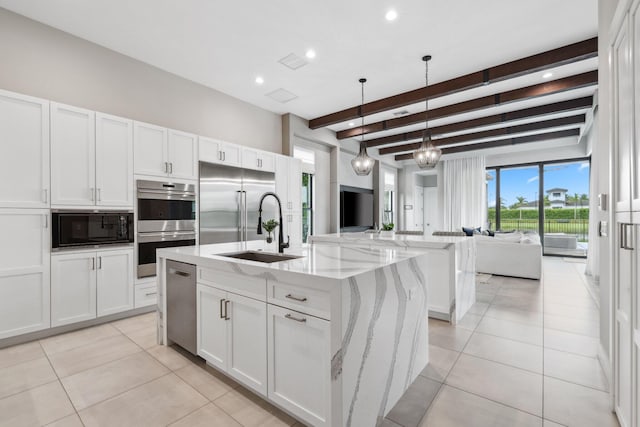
(310,54)
(259,80)
(547,75)
(351,124)
(391,15)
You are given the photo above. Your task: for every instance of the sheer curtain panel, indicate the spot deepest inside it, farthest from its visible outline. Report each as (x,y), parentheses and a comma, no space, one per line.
(465,200)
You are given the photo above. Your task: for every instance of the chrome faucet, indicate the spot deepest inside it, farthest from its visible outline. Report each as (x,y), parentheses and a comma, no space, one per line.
(281,244)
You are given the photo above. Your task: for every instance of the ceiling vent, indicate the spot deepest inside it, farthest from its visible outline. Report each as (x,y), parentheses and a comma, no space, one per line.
(293,61)
(282,95)
(400,113)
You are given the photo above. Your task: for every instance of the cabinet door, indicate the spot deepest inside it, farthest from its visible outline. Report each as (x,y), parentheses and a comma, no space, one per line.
(24,151)
(282,180)
(209,150)
(73,288)
(636,317)
(114,161)
(150,149)
(293,229)
(183,155)
(24,271)
(211,326)
(267,161)
(231,154)
(247,342)
(114,282)
(72,156)
(294,200)
(635,23)
(250,159)
(299,364)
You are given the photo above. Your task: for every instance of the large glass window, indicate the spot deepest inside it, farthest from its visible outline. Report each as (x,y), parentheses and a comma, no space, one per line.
(307,206)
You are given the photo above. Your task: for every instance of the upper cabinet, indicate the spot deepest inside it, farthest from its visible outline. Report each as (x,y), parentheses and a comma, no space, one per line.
(289,182)
(91,158)
(259,160)
(24,151)
(214,151)
(165,152)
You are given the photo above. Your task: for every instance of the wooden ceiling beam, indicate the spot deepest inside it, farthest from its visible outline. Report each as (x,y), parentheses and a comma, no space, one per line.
(573,82)
(527,127)
(561,56)
(502,142)
(540,111)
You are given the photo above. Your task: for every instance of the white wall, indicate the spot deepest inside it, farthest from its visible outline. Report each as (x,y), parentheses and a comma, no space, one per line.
(41,61)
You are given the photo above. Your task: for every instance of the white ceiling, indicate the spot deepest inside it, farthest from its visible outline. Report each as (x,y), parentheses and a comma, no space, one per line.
(225,45)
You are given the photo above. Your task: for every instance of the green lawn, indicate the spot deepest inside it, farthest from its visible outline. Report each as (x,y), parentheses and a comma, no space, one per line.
(579,227)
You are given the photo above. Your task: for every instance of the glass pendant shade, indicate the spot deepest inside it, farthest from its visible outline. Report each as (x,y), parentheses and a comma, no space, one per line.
(362,164)
(427,155)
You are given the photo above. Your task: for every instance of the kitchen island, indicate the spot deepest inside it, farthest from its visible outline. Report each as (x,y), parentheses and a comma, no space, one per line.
(451,265)
(334,336)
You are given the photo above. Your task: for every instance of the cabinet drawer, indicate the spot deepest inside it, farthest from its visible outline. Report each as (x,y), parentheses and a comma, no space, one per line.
(252,287)
(146,295)
(310,301)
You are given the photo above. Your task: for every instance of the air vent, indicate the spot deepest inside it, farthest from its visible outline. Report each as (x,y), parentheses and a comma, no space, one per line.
(282,95)
(293,61)
(400,113)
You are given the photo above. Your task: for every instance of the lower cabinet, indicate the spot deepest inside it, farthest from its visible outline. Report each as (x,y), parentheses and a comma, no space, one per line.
(90,284)
(299,364)
(232,335)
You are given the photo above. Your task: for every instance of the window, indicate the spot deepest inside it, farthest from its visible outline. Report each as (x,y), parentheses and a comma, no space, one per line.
(389,185)
(307,206)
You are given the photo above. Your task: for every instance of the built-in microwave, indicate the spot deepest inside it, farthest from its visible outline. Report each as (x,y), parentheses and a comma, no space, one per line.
(76,229)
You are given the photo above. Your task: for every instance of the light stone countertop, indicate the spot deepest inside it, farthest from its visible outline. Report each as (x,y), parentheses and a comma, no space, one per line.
(391,239)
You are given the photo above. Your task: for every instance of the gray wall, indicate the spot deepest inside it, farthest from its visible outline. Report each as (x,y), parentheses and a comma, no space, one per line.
(41,61)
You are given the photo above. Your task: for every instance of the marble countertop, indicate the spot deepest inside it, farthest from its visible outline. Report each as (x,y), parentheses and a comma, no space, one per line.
(399,240)
(316,260)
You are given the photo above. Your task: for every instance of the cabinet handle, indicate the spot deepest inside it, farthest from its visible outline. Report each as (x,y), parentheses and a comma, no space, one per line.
(166,167)
(220,155)
(91,194)
(46,195)
(257,163)
(99,194)
(46,220)
(224,156)
(303,299)
(93,263)
(148,294)
(226,310)
(297,319)
(170,167)
(222,316)
(99,263)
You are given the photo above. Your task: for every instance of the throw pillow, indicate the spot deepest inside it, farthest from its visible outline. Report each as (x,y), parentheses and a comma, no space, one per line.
(468,231)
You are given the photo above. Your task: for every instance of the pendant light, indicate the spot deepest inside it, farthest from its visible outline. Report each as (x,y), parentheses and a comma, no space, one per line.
(427,155)
(362,164)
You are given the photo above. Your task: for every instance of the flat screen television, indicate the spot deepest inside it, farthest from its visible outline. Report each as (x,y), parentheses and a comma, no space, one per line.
(356,208)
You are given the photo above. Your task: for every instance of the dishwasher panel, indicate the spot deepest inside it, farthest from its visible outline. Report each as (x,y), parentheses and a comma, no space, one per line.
(181,304)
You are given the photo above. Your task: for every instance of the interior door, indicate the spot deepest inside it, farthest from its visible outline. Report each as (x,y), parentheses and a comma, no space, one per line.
(430,210)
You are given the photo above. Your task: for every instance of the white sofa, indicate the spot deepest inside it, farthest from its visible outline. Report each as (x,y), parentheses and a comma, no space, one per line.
(509,254)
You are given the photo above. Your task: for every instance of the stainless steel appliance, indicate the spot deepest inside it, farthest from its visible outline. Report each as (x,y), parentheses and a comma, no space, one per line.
(166,219)
(74,229)
(229,199)
(181,304)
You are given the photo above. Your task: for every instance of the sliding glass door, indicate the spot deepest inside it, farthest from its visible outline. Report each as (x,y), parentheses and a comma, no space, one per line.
(519,208)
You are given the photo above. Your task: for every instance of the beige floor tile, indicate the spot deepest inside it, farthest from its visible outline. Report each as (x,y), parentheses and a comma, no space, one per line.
(577,326)
(514,315)
(169,356)
(487,288)
(479,307)
(510,386)
(94,354)
(483,297)
(571,343)
(207,381)
(456,408)
(575,301)
(574,368)
(517,331)
(35,407)
(20,354)
(251,411)
(441,361)
(533,304)
(69,421)
(79,338)
(207,416)
(576,406)
(103,382)
(589,313)
(452,338)
(469,321)
(18,378)
(159,402)
(414,403)
(547,423)
(145,338)
(531,292)
(503,350)
(136,323)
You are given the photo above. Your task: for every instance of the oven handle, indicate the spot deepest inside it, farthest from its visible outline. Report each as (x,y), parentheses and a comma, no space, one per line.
(163,237)
(167,195)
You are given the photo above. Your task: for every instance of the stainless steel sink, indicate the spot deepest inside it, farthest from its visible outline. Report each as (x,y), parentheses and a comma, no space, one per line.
(267,257)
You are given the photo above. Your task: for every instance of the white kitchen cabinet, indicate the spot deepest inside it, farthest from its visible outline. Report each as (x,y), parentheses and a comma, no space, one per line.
(214,151)
(164,152)
(232,335)
(289,182)
(293,228)
(114,161)
(145,294)
(24,271)
(73,288)
(24,151)
(73,176)
(299,364)
(114,282)
(258,160)
(86,285)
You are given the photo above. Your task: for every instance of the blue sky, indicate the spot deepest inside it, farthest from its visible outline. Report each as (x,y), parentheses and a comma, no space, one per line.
(524,181)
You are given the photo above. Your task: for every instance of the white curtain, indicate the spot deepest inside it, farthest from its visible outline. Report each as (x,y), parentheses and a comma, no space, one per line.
(465,200)
(593,252)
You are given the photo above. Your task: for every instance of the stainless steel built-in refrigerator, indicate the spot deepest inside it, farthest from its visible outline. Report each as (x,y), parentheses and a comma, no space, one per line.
(229,200)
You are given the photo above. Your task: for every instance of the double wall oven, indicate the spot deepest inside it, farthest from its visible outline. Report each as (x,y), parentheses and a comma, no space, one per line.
(166,218)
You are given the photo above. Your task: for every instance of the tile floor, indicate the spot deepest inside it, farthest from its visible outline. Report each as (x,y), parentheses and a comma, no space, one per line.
(523,356)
